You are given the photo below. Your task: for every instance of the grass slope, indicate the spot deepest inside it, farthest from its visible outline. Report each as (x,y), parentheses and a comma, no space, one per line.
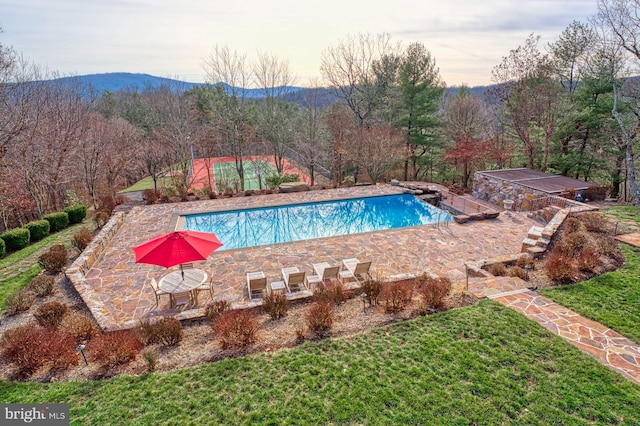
(484,364)
(612,299)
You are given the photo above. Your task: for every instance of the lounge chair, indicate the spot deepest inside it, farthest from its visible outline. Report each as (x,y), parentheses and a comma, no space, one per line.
(323,273)
(354,269)
(157,291)
(293,279)
(256,283)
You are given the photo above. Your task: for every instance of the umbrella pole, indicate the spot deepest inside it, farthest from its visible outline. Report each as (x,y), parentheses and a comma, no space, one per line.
(182,270)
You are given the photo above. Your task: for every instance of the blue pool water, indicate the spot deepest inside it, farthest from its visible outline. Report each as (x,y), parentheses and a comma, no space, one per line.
(280,224)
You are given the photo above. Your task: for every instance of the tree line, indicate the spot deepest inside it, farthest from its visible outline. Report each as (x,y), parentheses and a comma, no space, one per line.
(571,107)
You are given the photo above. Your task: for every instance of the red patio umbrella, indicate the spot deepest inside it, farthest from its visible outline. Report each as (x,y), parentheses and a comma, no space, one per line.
(176,248)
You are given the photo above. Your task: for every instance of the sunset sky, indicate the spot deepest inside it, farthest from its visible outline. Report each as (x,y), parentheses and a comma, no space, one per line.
(172,38)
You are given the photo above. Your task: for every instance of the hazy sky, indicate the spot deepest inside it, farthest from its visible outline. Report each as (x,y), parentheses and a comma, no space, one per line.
(171,38)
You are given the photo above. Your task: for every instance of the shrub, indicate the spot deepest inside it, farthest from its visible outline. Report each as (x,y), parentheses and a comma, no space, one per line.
(213,310)
(372,288)
(147,332)
(572,225)
(114,348)
(610,247)
(82,238)
(107,204)
(433,292)
(42,285)
(397,296)
(519,272)
(149,196)
(588,260)
(275,180)
(595,222)
(79,326)
(76,213)
(150,356)
(101,218)
(319,318)
(331,293)
(236,328)
(275,304)
(526,260)
(38,229)
(19,301)
(50,314)
(16,238)
(57,221)
(3,247)
(497,269)
(28,348)
(560,268)
(570,245)
(54,259)
(169,331)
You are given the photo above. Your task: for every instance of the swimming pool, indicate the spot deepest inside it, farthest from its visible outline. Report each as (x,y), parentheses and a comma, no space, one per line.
(280,224)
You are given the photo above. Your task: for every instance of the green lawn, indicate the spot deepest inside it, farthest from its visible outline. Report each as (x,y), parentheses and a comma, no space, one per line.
(226,174)
(147,183)
(484,365)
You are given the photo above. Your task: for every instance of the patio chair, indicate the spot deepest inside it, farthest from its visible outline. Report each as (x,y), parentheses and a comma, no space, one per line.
(354,269)
(182,298)
(293,278)
(256,283)
(157,291)
(204,287)
(323,273)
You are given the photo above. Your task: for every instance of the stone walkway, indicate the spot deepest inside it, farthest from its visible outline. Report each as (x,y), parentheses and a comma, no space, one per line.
(118,293)
(605,345)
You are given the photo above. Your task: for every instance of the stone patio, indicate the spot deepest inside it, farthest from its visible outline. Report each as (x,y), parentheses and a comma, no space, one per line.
(117,290)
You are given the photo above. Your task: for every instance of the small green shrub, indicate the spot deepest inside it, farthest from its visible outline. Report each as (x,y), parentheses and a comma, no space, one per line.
(236,328)
(38,229)
(213,310)
(57,221)
(275,180)
(275,304)
(50,314)
(80,326)
(498,269)
(114,348)
(3,247)
(54,259)
(19,301)
(82,238)
(16,239)
(42,285)
(319,318)
(76,213)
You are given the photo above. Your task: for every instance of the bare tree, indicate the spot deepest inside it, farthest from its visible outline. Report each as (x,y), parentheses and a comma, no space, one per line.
(380,147)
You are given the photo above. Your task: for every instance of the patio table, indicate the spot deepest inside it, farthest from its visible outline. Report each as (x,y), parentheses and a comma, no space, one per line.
(176,282)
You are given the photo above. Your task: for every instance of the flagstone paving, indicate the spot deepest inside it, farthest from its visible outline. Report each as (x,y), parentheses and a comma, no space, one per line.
(117,289)
(605,345)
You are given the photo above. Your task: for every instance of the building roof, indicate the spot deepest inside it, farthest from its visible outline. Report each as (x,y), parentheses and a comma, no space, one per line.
(540,181)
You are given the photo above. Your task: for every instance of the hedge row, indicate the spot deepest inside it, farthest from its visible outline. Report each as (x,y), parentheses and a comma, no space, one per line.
(18,238)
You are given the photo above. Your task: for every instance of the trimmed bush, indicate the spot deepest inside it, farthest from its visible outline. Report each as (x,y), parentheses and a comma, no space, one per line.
(149,196)
(55,259)
(50,314)
(42,285)
(28,348)
(169,331)
(275,304)
(236,328)
(82,238)
(76,213)
(397,296)
(3,247)
(588,260)
(79,326)
(560,268)
(595,222)
(19,301)
(16,239)
(114,348)
(57,221)
(518,272)
(38,229)
(498,269)
(213,310)
(433,292)
(372,288)
(572,225)
(319,318)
